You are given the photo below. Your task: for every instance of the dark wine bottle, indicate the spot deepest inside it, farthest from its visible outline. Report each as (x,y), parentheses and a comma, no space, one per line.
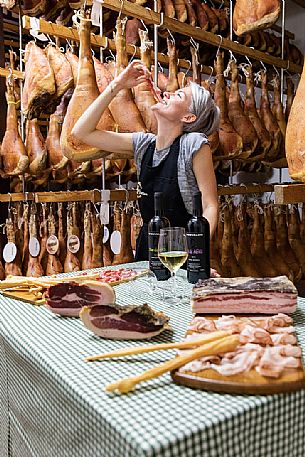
(198,242)
(155,225)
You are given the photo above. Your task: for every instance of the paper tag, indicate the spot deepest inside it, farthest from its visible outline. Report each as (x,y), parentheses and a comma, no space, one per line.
(34,247)
(73,244)
(20,222)
(96,13)
(52,244)
(115,242)
(9,252)
(104,213)
(35,29)
(106,235)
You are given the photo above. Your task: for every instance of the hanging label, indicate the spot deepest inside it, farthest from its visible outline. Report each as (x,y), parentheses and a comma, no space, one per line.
(52,244)
(106,234)
(34,247)
(115,242)
(35,28)
(96,13)
(104,213)
(9,252)
(73,244)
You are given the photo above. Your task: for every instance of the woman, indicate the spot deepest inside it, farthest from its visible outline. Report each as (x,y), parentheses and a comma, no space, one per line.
(177,161)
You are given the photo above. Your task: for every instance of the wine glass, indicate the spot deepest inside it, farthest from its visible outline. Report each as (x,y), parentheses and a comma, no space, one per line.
(172,251)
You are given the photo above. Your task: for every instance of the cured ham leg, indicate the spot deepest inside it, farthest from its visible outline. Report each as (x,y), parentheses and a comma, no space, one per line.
(144,98)
(13,153)
(254,15)
(97,242)
(54,266)
(172,84)
(57,161)
(14,267)
(230,142)
(251,111)
(36,149)
(62,73)
(295,238)
(238,118)
(230,266)
(71,262)
(128,119)
(61,234)
(85,92)
(269,121)
(126,253)
(87,256)
(39,83)
(34,268)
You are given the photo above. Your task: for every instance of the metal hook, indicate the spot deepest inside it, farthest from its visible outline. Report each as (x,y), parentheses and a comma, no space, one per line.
(144,25)
(10,202)
(171,36)
(50,40)
(134,53)
(263,65)
(232,57)
(221,40)
(121,9)
(276,70)
(160,66)
(194,44)
(248,60)
(211,74)
(69,45)
(161,20)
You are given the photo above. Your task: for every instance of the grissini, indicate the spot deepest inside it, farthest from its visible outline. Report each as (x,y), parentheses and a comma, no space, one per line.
(220,346)
(159,347)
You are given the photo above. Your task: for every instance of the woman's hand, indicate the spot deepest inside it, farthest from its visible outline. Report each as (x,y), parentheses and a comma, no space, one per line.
(133,75)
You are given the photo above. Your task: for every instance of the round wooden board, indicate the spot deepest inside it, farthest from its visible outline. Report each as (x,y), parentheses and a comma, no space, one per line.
(249,383)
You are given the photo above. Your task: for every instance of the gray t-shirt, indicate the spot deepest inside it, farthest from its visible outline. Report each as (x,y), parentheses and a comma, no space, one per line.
(190,143)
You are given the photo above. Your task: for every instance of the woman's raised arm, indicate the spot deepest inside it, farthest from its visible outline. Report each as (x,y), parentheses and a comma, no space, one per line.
(85,128)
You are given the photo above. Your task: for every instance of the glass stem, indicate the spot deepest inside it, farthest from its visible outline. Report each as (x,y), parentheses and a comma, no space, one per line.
(174,285)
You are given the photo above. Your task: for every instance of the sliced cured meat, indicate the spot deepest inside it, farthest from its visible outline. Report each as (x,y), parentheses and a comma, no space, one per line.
(120,275)
(273,363)
(245,295)
(132,322)
(250,334)
(68,298)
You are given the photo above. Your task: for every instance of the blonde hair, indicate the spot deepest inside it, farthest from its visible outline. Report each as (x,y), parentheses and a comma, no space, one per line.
(206,112)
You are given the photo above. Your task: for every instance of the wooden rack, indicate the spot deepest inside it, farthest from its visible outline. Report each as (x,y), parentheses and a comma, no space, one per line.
(151,17)
(116,195)
(285,194)
(5,72)
(245,189)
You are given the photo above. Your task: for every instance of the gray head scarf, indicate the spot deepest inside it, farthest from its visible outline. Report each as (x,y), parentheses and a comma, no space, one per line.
(207,113)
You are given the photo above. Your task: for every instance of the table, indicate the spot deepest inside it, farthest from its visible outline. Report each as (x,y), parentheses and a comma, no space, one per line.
(53,404)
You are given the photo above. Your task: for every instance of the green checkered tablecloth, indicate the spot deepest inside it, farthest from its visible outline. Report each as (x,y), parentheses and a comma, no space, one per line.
(53,404)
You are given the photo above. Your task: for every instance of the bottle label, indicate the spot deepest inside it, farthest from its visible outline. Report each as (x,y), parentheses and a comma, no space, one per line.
(198,257)
(155,264)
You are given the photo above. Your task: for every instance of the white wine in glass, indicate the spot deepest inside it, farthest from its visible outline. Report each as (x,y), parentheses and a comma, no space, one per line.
(172,251)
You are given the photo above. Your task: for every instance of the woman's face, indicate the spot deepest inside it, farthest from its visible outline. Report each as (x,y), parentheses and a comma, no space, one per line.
(175,105)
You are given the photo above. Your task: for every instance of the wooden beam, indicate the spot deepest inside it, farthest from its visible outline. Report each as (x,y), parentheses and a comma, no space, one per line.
(289,193)
(151,17)
(16,197)
(84,195)
(245,189)
(5,72)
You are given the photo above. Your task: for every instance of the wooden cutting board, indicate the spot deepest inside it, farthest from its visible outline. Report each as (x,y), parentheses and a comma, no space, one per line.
(23,295)
(250,382)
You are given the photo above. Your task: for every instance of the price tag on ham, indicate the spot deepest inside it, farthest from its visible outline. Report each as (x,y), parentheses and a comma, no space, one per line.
(115,242)
(52,244)
(9,252)
(73,244)
(34,247)
(96,12)
(106,235)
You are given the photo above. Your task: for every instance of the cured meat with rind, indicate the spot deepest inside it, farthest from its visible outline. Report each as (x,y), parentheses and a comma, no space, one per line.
(68,298)
(132,322)
(251,15)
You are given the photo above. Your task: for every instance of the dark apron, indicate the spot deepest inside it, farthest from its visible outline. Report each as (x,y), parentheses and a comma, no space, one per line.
(162,178)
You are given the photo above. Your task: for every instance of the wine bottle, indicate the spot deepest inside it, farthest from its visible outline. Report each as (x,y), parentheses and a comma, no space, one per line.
(198,242)
(155,224)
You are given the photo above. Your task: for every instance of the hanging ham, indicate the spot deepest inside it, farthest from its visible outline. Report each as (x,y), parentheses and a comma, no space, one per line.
(230,142)
(144,98)
(238,118)
(13,267)
(57,161)
(34,268)
(87,256)
(251,111)
(255,14)
(71,261)
(62,73)
(14,156)
(295,134)
(36,149)
(53,263)
(97,242)
(39,83)
(85,92)
(172,84)
(269,121)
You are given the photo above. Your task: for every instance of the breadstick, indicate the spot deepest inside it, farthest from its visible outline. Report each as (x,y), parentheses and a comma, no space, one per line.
(159,347)
(219,346)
